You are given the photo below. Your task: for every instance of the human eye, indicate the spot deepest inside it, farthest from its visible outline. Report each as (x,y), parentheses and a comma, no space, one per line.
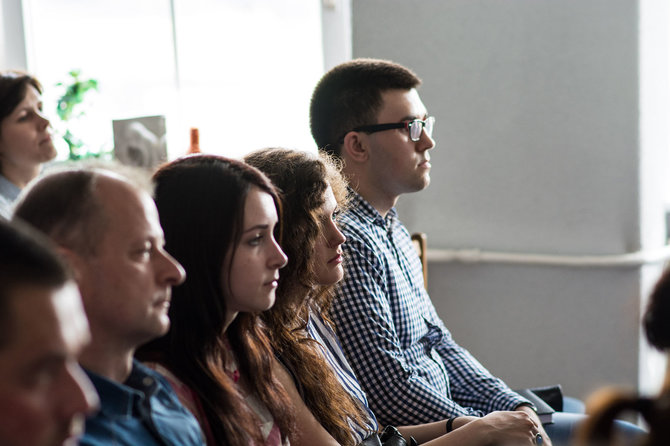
(23,116)
(143,251)
(255,240)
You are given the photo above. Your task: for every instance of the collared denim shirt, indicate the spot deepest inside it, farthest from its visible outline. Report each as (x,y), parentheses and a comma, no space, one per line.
(142,411)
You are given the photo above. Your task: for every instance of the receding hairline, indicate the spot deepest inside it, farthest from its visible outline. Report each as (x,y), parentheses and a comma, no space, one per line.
(107,182)
(134,178)
(81,226)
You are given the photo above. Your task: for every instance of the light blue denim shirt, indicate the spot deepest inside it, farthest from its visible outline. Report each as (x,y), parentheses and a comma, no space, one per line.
(8,194)
(142,411)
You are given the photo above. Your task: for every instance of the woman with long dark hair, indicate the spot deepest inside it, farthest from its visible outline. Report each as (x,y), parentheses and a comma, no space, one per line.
(219,217)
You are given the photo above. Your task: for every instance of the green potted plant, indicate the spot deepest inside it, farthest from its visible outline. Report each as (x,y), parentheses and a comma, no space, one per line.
(71,107)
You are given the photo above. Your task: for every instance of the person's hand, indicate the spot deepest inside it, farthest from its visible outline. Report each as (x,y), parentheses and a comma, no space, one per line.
(546,441)
(509,428)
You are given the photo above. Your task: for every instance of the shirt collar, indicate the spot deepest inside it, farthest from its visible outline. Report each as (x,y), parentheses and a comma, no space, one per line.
(119,399)
(8,189)
(361,207)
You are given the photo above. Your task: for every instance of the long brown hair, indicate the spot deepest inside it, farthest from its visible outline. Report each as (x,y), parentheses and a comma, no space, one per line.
(200,200)
(302,179)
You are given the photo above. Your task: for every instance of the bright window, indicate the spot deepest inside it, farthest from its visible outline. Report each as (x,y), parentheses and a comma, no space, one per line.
(242,71)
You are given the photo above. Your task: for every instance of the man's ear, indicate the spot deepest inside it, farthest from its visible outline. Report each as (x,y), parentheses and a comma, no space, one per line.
(355,148)
(74,260)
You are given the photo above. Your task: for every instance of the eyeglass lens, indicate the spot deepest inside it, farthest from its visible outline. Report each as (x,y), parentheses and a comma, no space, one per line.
(417,125)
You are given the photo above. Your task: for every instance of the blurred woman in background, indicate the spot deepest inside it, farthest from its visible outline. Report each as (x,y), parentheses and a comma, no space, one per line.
(25,137)
(608,404)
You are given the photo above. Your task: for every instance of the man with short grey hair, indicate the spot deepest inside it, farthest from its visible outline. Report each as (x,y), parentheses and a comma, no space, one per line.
(106,225)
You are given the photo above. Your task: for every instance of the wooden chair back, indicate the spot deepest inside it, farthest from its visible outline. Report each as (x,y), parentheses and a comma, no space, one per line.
(420,243)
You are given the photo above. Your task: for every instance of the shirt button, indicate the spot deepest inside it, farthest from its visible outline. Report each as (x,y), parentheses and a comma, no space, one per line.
(147,381)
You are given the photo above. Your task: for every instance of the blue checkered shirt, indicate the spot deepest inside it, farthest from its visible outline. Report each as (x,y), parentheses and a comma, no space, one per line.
(404,357)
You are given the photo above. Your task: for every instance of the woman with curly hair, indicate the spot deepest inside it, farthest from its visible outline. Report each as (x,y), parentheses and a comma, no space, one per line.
(219,217)
(312,190)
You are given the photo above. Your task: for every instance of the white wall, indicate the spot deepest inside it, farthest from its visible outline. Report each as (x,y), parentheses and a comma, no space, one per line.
(545,144)
(12,40)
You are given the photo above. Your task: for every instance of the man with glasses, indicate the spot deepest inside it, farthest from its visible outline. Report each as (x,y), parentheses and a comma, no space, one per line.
(368,113)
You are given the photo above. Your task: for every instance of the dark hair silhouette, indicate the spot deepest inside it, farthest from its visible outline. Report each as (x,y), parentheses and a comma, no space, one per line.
(26,259)
(609,404)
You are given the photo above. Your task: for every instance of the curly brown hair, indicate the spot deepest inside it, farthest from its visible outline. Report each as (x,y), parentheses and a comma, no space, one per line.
(302,179)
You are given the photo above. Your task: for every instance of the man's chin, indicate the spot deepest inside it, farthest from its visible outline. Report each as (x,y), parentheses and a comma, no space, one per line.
(158,327)
(71,441)
(66,438)
(422,184)
(165,325)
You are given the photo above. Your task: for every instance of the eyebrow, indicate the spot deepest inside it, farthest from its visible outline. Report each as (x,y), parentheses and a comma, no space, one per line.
(256,227)
(149,239)
(413,117)
(46,361)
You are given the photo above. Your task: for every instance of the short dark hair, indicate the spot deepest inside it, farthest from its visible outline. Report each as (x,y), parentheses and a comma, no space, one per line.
(349,95)
(65,205)
(13,86)
(26,258)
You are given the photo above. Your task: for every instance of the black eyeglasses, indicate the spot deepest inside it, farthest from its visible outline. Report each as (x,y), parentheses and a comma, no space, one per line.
(414,127)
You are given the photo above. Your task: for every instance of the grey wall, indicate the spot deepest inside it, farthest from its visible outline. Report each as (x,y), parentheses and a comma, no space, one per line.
(539,148)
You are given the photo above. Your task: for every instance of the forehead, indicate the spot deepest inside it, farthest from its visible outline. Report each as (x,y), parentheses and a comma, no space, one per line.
(400,104)
(259,208)
(329,201)
(130,212)
(31,96)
